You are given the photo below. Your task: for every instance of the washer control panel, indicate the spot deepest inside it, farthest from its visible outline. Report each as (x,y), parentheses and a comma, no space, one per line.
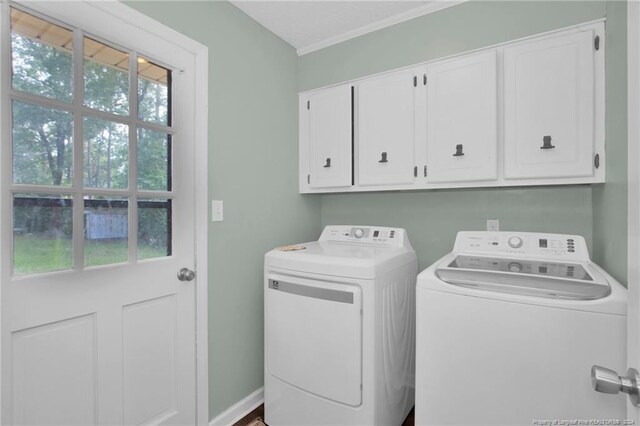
(525,244)
(372,235)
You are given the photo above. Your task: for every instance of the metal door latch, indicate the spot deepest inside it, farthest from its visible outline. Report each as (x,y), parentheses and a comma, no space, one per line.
(186,274)
(607,381)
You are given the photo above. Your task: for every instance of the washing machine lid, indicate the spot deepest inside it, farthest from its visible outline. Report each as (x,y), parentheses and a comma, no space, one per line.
(542,278)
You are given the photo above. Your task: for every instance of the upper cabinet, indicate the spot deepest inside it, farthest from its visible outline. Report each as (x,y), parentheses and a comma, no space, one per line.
(462,114)
(526,112)
(385,129)
(549,95)
(327,130)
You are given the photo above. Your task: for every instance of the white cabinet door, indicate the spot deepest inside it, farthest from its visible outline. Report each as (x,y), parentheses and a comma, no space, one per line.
(329,118)
(549,107)
(386,130)
(462,119)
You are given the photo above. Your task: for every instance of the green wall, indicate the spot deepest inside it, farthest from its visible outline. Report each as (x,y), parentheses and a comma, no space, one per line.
(253,167)
(433,217)
(254,80)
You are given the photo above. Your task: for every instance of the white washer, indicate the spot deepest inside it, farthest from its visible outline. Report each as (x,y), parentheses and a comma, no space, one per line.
(508,327)
(340,329)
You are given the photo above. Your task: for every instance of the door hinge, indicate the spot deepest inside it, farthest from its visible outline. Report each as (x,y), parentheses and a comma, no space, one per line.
(308,178)
(415,81)
(424,80)
(596,161)
(415,171)
(425,171)
(308,104)
(596,42)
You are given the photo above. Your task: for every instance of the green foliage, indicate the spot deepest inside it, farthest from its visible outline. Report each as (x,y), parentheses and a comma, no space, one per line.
(106,154)
(153,162)
(36,254)
(43,155)
(41,69)
(153,101)
(42,145)
(106,88)
(153,226)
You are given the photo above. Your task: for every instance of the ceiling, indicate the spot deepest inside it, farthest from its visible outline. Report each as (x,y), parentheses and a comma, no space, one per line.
(312,25)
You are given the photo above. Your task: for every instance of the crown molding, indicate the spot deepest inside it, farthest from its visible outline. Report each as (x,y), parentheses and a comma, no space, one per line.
(432,7)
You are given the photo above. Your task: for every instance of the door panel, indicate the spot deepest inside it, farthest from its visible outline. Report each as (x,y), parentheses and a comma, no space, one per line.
(150,355)
(549,107)
(462,119)
(55,372)
(321,350)
(330,137)
(386,129)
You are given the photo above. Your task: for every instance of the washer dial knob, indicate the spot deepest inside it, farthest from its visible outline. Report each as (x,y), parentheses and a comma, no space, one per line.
(358,233)
(515,267)
(515,242)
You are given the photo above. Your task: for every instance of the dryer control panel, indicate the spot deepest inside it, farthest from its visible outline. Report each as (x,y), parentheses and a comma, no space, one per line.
(368,235)
(523,244)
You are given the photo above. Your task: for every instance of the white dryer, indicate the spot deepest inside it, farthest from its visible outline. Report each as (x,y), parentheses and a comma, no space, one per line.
(508,327)
(340,329)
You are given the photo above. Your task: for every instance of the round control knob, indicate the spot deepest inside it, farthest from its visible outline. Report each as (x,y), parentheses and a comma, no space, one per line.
(358,233)
(515,242)
(515,267)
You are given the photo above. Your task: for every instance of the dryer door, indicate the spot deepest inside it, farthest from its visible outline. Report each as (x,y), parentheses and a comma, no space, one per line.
(313,335)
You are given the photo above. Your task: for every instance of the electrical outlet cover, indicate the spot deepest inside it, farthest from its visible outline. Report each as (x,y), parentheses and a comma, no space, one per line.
(493,225)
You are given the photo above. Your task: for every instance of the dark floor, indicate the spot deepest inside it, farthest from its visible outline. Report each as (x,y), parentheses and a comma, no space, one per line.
(259,413)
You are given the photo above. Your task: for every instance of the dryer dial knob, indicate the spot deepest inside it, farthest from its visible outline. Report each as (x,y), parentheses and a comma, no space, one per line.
(515,242)
(358,233)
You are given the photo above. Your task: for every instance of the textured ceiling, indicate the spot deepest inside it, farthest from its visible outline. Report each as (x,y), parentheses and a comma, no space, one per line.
(309,24)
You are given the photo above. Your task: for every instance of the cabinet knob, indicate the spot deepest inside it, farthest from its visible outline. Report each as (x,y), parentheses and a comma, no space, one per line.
(546,143)
(383,158)
(459,152)
(328,163)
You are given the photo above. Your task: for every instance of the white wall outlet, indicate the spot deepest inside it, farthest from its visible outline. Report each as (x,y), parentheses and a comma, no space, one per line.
(217,211)
(493,225)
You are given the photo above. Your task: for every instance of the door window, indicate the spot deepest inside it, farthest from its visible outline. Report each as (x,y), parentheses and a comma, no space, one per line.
(91,148)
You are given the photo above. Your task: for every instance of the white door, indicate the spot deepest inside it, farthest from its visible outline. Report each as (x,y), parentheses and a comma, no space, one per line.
(97,218)
(386,129)
(462,119)
(330,158)
(549,107)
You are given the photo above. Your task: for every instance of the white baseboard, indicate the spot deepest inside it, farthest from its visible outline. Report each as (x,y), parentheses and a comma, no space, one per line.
(240,409)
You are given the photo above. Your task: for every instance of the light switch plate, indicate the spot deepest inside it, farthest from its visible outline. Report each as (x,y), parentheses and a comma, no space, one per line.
(493,225)
(217,211)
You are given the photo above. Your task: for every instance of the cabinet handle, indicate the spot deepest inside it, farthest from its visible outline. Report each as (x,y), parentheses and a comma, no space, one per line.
(546,143)
(328,164)
(459,152)
(383,158)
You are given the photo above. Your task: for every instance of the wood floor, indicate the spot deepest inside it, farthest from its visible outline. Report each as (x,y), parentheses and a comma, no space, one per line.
(258,413)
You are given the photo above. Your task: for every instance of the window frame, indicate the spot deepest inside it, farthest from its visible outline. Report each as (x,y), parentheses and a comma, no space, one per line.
(77,108)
